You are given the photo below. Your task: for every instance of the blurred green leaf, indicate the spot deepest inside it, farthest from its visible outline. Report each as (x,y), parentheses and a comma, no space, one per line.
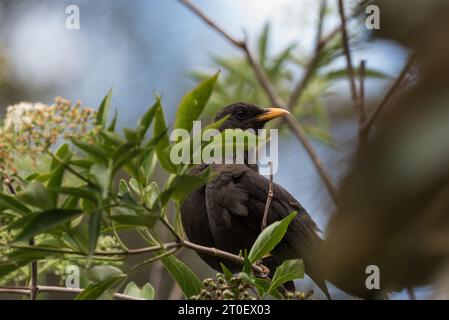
(43,221)
(162,149)
(13,204)
(343,73)
(263,44)
(94,291)
(93,150)
(103,110)
(36,195)
(95,220)
(146,292)
(193,104)
(146,120)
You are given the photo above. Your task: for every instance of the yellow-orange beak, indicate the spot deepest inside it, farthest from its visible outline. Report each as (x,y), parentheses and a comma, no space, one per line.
(271,113)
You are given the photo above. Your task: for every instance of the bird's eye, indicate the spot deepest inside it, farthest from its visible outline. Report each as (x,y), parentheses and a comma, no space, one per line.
(241,114)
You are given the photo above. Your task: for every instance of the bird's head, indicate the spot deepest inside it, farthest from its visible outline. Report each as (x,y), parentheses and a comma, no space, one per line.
(247,116)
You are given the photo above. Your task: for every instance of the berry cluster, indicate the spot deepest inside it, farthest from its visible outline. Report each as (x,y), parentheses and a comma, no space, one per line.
(221,288)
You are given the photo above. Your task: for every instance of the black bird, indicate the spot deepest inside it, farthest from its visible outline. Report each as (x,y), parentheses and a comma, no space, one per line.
(227,212)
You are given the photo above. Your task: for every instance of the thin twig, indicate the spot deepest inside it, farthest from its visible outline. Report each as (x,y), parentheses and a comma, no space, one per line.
(378,110)
(411,293)
(260,270)
(169,245)
(70,169)
(362,119)
(273,96)
(27,291)
(155,258)
(301,135)
(269,198)
(362,75)
(347,52)
(33,275)
(302,84)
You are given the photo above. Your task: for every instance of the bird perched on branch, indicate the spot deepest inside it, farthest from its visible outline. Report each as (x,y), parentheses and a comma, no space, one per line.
(227,212)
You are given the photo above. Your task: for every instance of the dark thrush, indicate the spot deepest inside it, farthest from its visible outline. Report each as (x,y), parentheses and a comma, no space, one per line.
(227,212)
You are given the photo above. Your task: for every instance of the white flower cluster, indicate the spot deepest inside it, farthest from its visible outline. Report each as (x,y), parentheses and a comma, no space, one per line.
(18,115)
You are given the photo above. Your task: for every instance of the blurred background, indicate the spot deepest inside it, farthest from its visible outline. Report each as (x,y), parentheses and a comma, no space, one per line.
(138,47)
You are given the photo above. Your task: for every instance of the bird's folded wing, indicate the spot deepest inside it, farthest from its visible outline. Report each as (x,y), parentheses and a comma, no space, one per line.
(243,192)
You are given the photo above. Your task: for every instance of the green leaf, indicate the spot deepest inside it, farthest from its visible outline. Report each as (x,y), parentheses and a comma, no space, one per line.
(43,221)
(226,271)
(103,110)
(37,195)
(103,176)
(92,150)
(289,270)
(183,275)
(269,238)
(147,292)
(130,218)
(148,166)
(94,291)
(11,203)
(193,103)
(111,127)
(7,268)
(112,138)
(162,148)
(63,153)
(95,220)
(369,73)
(79,192)
(103,272)
(145,121)
(263,44)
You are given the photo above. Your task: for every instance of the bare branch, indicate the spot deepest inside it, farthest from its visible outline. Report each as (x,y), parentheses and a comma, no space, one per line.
(347,51)
(269,198)
(362,75)
(260,270)
(169,245)
(301,135)
(211,23)
(370,122)
(27,291)
(33,275)
(302,84)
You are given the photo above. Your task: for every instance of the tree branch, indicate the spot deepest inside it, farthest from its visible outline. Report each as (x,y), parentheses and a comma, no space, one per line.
(260,270)
(27,291)
(269,198)
(302,84)
(347,52)
(169,245)
(378,110)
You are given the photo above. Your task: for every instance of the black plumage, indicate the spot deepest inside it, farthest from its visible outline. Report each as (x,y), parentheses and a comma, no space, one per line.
(227,212)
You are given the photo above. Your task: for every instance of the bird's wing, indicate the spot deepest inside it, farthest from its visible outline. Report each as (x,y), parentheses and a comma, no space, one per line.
(243,192)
